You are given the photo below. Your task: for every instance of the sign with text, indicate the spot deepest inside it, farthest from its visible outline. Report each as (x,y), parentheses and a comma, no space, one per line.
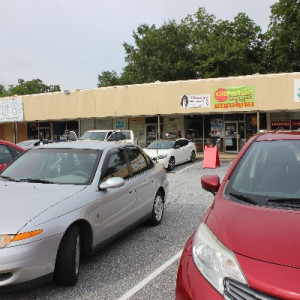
(11,110)
(195,101)
(297,90)
(232,97)
(285,124)
(120,124)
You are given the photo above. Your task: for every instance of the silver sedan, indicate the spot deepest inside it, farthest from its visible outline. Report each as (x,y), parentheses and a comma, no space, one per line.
(61,200)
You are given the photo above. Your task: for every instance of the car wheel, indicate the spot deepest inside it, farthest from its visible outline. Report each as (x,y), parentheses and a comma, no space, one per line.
(68,257)
(171,164)
(158,209)
(193,156)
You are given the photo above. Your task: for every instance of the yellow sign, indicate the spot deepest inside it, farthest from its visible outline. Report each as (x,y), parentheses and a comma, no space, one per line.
(241,97)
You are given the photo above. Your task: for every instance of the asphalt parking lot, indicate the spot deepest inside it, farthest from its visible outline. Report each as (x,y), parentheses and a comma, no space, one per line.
(143,263)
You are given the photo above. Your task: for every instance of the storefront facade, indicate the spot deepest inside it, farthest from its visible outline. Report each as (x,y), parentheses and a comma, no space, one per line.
(225,112)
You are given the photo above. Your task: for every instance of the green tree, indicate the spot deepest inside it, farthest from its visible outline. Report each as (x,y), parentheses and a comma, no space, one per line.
(198,47)
(159,54)
(224,48)
(35,86)
(2,91)
(283,48)
(108,78)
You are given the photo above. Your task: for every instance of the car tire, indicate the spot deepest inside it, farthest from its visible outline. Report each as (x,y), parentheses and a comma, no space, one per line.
(171,164)
(68,258)
(193,156)
(157,210)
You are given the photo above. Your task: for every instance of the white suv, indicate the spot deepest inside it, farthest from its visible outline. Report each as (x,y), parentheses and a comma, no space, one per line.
(125,136)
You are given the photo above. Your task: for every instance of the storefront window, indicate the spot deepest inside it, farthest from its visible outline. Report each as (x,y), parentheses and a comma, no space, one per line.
(295,117)
(44,130)
(194,130)
(285,121)
(32,131)
(152,129)
(61,130)
(251,124)
(280,121)
(214,131)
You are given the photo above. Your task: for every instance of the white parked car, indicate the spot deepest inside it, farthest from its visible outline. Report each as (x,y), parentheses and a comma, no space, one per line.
(172,152)
(124,136)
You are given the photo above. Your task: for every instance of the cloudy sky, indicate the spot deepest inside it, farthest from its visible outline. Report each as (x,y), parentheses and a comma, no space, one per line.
(70,42)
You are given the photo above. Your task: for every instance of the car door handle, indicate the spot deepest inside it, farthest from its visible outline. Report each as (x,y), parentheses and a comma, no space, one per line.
(131,191)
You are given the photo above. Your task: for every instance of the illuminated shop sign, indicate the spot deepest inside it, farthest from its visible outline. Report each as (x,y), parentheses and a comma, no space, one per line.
(233,97)
(11,110)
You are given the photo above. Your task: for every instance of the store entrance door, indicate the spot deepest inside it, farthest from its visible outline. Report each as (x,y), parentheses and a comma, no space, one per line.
(151,133)
(231,137)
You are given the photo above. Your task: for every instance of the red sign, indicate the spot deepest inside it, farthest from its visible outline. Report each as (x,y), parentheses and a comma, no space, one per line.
(221,95)
(285,124)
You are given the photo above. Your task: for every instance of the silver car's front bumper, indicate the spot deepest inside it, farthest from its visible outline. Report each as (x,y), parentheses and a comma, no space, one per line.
(27,262)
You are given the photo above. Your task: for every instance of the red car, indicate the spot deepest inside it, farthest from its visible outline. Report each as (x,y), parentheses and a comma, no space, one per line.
(248,245)
(8,152)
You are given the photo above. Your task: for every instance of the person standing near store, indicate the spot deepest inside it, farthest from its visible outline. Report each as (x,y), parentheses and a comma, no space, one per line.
(41,138)
(179,134)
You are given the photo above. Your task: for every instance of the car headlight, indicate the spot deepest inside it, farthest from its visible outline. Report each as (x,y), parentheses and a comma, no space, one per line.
(6,239)
(214,260)
(162,156)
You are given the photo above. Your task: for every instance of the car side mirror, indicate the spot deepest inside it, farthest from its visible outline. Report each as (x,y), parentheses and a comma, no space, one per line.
(176,146)
(112,182)
(211,183)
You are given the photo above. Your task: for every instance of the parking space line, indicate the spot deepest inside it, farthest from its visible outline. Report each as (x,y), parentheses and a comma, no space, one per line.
(188,167)
(150,277)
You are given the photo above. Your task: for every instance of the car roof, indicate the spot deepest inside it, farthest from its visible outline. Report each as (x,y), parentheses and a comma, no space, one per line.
(105,130)
(97,145)
(278,135)
(100,130)
(2,142)
(29,141)
(171,140)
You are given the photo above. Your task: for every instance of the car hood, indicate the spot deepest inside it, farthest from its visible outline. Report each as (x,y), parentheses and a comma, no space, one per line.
(22,202)
(266,234)
(156,152)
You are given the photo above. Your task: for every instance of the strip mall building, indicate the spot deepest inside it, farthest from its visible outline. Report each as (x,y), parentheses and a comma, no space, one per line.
(223,111)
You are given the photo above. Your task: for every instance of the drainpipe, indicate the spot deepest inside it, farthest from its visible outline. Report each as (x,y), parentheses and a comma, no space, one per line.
(158,124)
(16,133)
(203,132)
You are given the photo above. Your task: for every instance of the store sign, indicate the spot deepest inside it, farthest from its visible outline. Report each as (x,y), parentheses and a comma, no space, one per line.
(137,120)
(120,124)
(195,101)
(11,110)
(285,124)
(297,90)
(232,97)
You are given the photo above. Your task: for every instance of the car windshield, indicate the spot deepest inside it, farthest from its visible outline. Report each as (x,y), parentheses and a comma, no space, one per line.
(268,175)
(160,144)
(98,136)
(62,166)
